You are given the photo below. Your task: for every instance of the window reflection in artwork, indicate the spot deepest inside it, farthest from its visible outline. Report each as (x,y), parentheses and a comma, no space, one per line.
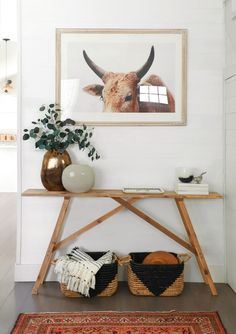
(155,94)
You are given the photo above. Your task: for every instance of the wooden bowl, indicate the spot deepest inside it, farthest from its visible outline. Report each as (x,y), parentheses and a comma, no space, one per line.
(160,257)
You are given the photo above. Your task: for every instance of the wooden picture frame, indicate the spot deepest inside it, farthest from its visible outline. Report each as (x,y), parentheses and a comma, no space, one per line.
(122,76)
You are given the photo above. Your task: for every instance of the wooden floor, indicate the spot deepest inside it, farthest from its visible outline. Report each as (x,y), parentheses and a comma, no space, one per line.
(7,243)
(16,297)
(196,297)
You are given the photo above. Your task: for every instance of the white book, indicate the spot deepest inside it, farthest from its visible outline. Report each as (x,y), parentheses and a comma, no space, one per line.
(192,185)
(192,192)
(195,187)
(192,189)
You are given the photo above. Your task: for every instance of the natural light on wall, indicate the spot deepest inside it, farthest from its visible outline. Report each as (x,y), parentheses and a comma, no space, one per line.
(8,100)
(8,19)
(8,71)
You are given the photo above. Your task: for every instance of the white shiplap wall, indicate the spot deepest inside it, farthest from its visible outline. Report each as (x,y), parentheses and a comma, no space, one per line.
(230,129)
(130,155)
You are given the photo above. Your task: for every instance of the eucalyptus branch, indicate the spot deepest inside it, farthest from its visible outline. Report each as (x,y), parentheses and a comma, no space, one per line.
(52,133)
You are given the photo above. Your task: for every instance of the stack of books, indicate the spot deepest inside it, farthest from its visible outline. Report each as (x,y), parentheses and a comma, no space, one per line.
(192,188)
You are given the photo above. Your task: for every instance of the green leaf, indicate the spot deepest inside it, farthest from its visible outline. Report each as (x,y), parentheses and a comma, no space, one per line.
(52,105)
(80,132)
(63,134)
(69,121)
(51,126)
(50,136)
(36,130)
(44,120)
(82,143)
(26,136)
(40,144)
(42,108)
(66,144)
(25,130)
(32,134)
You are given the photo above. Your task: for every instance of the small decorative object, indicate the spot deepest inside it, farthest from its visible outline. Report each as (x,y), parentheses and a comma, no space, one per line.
(156,279)
(185,174)
(78,178)
(198,179)
(55,136)
(53,165)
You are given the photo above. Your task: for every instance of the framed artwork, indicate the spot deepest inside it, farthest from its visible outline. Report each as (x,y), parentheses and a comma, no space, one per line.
(122,77)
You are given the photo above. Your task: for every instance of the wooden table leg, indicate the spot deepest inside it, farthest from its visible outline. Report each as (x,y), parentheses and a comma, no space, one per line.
(48,256)
(94,223)
(178,203)
(195,243)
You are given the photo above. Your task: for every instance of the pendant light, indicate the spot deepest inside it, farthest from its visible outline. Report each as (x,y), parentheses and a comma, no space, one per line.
(7,85)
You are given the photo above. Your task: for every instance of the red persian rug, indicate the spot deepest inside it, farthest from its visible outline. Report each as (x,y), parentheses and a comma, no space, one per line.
(119,323)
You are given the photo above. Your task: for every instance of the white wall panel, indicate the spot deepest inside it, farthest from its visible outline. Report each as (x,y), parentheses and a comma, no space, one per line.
(130,155)
(230,129)
(8,179)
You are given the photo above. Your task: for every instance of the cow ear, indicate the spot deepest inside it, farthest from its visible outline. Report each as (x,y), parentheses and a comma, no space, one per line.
(95,90)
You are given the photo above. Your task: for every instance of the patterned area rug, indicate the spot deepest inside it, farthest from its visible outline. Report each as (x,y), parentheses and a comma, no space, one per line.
(119,323)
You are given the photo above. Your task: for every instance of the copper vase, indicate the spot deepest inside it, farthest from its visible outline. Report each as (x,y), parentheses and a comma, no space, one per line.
(54,162)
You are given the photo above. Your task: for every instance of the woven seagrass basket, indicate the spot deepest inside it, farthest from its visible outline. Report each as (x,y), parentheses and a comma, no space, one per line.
(106,280)
(155,279)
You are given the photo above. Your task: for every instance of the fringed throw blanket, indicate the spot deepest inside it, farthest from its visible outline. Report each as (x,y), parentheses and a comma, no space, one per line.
(77,270)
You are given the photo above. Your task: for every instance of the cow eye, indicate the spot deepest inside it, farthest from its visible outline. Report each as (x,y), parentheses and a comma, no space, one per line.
(128,98)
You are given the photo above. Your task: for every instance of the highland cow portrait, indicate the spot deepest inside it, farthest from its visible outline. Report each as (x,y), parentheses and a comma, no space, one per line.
(123,92)
(122,77)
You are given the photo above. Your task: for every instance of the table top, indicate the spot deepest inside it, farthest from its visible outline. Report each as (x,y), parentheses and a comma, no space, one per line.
(117,193)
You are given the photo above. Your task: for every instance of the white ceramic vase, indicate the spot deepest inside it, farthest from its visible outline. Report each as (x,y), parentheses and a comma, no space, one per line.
(78,178)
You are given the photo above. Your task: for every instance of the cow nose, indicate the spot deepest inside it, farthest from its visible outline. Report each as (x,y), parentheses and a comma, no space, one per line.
(108,108)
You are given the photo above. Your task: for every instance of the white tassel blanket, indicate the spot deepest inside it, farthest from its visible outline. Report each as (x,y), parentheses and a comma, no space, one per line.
(77,270)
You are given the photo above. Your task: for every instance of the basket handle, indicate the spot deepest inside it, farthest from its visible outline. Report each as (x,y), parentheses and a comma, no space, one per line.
(183,257)
(122,260)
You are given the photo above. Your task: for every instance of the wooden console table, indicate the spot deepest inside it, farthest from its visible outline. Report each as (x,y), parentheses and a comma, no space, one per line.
(125,201)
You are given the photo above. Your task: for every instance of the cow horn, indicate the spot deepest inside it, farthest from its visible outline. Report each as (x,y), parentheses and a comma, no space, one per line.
(143,70)
(98,70)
